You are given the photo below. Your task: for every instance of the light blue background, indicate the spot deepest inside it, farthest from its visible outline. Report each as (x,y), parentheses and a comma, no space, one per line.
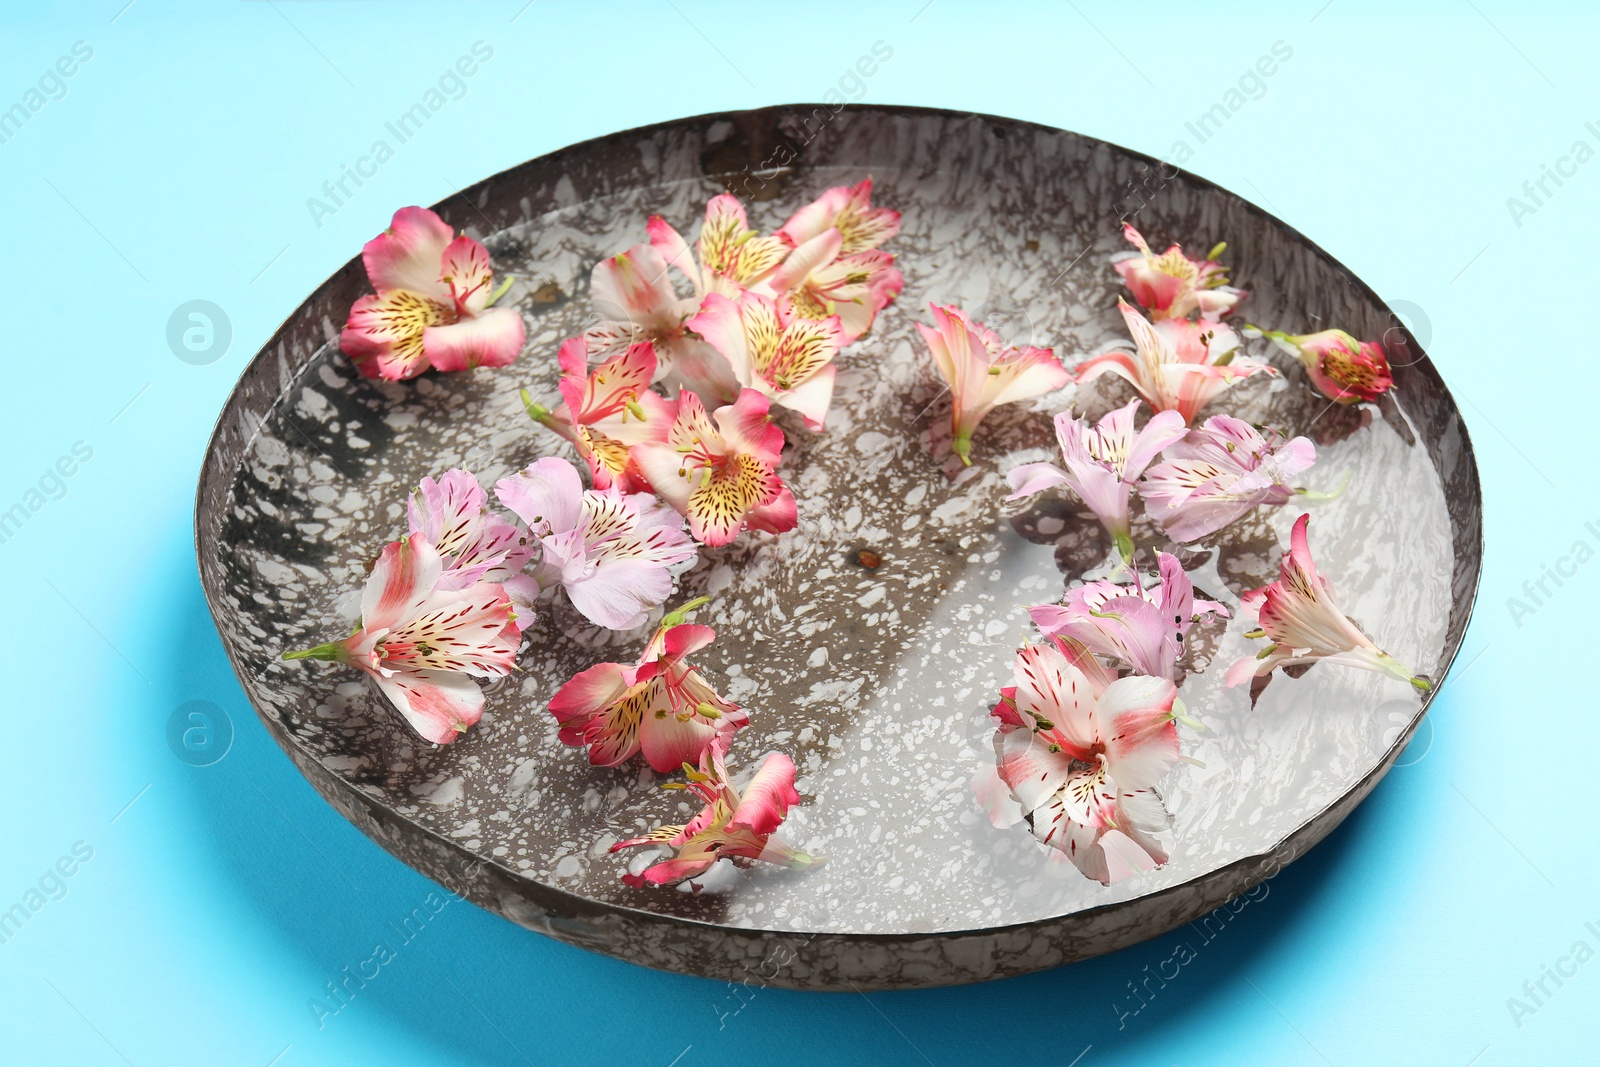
(177,167)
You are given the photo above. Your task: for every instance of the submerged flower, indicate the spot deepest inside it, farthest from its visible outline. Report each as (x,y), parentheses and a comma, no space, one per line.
(1343,369)
(613,552)
(633,296)
(983,373)
(1171,285)
(433,306)
(423,642)
(732,256)
(660,706)
(452,514)
(1141,628)
(722,474)
(1218,472)
(1083,762)
(1178,365)
(606,411)
(1102,462)
(735,825)
(848,209)
(788,360)
(1299,615)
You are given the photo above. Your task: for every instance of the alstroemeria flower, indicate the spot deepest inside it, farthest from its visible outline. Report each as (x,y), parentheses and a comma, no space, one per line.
(1299,615)
(1103,462)
(1220,471)
(735,825)
(1172,285)
(820,279)
(848,209)
(733,257)
(433,306)
(613,553)
(424,643)
(1141,628)
(1343,369)
(633,296)
(1178,365)
(788,360)
(476,545)
(723,475)
(607,410)
(660,706)
(983,373)
(1084,764)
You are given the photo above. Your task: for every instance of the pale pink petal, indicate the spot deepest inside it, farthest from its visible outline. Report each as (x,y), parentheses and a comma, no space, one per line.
(491,339)
(409,254)
(621,592)
(439,705)
(547,495)
(1031,478)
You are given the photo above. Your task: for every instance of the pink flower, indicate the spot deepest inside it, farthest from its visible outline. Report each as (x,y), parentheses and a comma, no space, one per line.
(608,410)
(1102,463)
(1179,365)
(983,373)
(1299,615)
(433,306)
(476,545)
(1219,472)
(633,296)
(660,706)
(848,209)
(1343,369)
(612,552)
(735,825)
(787,360)
(723,475)
(1171,285)
(1083,762)
(1141,628)
(819,279)
(423,642)
(733,257)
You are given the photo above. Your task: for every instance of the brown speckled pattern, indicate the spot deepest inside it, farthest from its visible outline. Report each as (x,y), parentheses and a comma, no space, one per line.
(877,681)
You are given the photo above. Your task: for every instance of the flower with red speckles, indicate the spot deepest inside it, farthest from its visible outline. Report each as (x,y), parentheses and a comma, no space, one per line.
(607,410)
(424,642)
(1220,471)
(819,279)
(1177,365)
(788,360)
(476,545)
(983,373)
(721,471)
(1082,758)
(633,296)
(1299,615)
(434,304)
(660,706)
(613,552)
(1102,464)
(732,256)
(1171,285)
(1141,628)
(1343,369)
(848,209)
(735,824)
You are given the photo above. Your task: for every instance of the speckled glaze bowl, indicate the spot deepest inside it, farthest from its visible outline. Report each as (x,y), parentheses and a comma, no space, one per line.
(876,680)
